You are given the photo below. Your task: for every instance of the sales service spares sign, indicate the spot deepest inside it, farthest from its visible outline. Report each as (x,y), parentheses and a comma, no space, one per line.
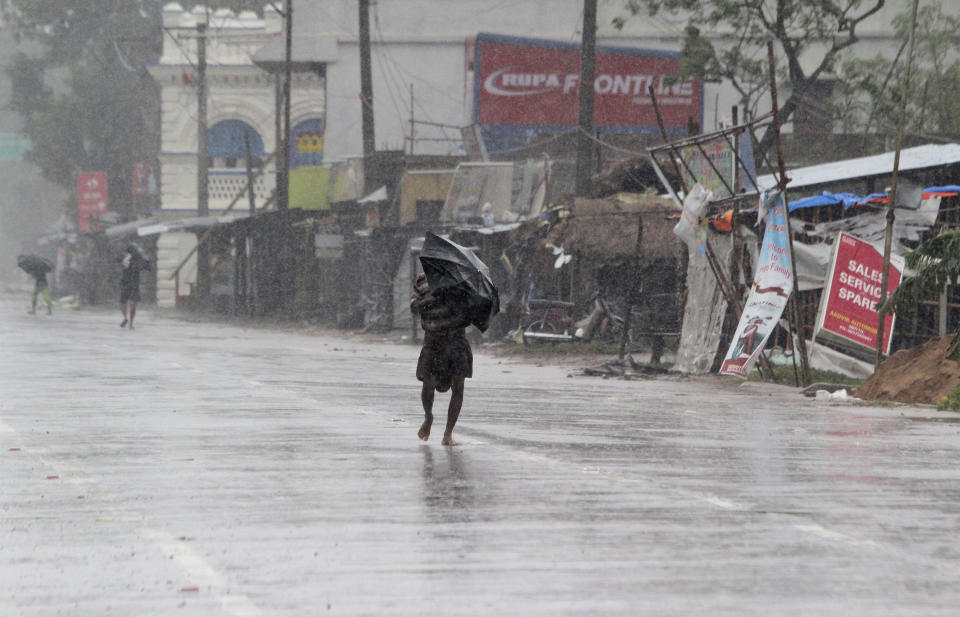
(848,313)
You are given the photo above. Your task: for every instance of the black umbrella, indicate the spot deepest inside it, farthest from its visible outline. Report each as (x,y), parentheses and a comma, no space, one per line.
(458,277)
(34,265)
(138,256)
(137,251)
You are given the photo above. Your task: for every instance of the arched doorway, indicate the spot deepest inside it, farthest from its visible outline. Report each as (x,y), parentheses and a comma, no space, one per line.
(227,151)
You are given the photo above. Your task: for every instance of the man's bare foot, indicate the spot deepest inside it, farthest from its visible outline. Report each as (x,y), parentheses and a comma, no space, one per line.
(448,441)
(424,432)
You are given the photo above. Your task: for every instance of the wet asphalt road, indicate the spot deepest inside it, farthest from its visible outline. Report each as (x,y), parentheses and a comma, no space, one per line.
(206,469)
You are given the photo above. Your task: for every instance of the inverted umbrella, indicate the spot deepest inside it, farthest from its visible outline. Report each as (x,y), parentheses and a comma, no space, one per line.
(137,251)
(34,265)
(457,277)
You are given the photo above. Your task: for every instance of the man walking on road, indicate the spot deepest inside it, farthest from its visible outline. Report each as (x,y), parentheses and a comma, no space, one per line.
(41,287)
(133,262)
(446,359)
(37,267)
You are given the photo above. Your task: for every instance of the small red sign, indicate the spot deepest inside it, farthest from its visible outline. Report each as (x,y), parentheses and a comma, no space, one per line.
(143,179)
(91,198)
(853,291)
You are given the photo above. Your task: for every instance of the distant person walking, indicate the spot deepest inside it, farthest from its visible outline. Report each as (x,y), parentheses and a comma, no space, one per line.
(37,267)
(446,359)
(133,262)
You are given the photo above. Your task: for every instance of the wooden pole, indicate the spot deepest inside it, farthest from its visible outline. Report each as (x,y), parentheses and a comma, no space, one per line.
(634,291)
(588,61)
(283,157)
(250,195)
(203,159)
(891,216)
(366,94)
(782,187)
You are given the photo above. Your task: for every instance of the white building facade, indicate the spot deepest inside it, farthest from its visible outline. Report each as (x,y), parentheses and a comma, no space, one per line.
(242,112)
(241,105)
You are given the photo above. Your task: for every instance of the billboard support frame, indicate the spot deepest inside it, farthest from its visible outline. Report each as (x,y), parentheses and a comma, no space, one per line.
(714,262)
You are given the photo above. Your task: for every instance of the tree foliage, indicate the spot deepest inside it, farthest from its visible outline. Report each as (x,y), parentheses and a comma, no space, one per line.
(870,90)
(87,100)
(936,262)
(735,49)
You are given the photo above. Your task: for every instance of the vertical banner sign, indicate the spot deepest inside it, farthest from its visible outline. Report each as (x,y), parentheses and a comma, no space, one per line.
(91,198)
(848,315)
(768,296)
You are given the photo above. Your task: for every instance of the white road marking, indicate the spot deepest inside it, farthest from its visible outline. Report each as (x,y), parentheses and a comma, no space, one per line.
(829,534)
(194,566)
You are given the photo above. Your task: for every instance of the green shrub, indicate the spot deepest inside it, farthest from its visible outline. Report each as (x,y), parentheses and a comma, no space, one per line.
(950,403)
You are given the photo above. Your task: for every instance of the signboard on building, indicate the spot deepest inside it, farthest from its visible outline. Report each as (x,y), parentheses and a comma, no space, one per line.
(522,84)
(144,180)
(847,316)
(91,198)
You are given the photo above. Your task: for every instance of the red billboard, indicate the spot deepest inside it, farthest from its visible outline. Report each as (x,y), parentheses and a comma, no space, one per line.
(91,198)
(521,82)
(847,314)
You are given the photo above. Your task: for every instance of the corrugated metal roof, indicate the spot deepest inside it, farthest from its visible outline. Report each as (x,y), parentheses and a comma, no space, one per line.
(919,157)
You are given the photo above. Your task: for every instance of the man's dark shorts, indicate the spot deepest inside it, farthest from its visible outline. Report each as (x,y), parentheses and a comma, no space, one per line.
(445,355)
(129,293)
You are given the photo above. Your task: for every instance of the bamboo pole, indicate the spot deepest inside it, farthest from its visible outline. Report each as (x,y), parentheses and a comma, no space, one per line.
(891,216)
(782,186)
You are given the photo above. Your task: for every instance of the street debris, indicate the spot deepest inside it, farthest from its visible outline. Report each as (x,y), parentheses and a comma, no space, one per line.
(628,368)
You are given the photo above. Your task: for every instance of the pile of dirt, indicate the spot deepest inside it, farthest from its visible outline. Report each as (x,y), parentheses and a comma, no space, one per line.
(919,375)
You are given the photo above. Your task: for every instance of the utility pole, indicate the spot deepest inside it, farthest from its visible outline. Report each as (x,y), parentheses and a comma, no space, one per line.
(412,121)
(283,160)
(203,160)
(366,93)
(250,195)
(588,60)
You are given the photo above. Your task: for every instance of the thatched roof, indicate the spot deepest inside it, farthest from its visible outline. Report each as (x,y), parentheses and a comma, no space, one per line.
(607,229)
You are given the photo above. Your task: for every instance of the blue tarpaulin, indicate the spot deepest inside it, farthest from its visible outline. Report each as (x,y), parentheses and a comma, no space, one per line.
(949,190)
(825,198)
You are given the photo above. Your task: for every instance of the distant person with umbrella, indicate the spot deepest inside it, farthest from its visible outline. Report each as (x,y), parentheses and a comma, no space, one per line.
(37,267)
(133,261)
(454,292)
